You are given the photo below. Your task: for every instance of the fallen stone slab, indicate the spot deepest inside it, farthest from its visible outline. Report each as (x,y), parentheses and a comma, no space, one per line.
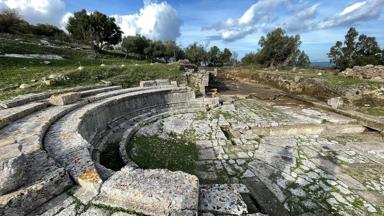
(151,192)
(64,99)
(223,199)
(267,201)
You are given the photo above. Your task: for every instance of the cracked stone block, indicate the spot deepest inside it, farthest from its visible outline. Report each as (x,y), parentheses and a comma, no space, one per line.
(64,99)
(26,199)
(222,199)
(12,171)
(152,192)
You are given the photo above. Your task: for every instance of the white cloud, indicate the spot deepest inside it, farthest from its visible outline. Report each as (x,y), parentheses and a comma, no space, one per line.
(263,15)
(260,12)
(37,11)
(64,20)
(255,17)
(157,21)
(304,20)
(359,11)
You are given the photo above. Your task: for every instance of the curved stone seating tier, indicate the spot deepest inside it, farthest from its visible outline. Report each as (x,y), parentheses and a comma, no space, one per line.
(70,145)
(30,104)
(29,177)
(23,99)
(71,140)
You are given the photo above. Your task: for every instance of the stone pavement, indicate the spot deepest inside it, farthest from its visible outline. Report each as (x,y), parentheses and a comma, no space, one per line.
(309,174)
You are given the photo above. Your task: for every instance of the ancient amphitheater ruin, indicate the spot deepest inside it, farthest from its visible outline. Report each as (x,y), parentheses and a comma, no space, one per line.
(255,156)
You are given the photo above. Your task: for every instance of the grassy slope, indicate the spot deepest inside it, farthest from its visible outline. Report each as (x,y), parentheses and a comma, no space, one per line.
(15,71)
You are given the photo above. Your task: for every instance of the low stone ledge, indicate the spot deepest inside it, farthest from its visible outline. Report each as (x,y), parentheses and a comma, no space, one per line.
(23,99)
(12,114)
(64,99)
(152,192)
(309,129)
(363,119)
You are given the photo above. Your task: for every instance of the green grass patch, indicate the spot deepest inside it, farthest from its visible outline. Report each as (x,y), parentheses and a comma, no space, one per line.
(118,69)
(175,154)
(375,111)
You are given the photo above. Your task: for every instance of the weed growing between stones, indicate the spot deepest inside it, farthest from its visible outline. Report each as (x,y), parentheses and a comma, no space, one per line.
(175,153)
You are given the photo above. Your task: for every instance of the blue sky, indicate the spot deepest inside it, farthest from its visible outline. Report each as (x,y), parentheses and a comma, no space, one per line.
(237,25)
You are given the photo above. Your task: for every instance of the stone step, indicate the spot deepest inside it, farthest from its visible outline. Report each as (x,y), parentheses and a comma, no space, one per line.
(12,114)
(90,92)
(28,198)
(22,138)
(55,206)
(24,99)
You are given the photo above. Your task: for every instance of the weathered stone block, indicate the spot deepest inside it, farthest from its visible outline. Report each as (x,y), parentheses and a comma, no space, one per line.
(64,99)
(223,199)
(336,102)
(152,192)
(11,172)
(27,199)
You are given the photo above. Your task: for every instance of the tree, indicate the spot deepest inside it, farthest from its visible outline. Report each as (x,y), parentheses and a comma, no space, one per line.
(358,50)
(226,56)
(279,49)
(196,53)
(251,58)
(303,60)
(135,45)
(155,50)
(234,58)
(214,56)
(96,28)
(382,56)
(367,51)
(172,50)
(10,22)
(47,30)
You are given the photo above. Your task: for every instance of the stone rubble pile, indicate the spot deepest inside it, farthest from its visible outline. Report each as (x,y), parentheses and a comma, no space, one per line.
(371,72)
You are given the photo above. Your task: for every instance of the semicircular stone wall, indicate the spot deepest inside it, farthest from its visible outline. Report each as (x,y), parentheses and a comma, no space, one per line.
(57,146)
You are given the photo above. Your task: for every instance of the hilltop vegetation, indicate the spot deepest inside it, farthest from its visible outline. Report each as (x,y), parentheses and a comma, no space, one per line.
(78,66)
(278,50)
(357,50)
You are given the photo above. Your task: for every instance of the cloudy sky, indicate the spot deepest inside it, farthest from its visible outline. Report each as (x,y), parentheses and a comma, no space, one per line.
(237,25)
